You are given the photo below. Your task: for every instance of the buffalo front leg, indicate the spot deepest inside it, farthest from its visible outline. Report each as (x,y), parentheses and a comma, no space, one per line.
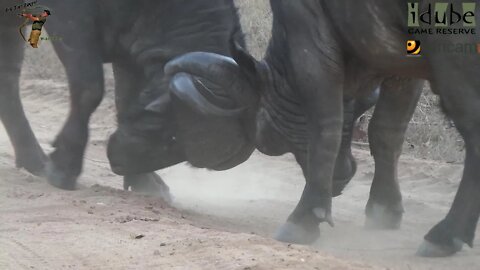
(317,164)
(28,153)
(315,62)
(456,80)
(128,81)
(395,108)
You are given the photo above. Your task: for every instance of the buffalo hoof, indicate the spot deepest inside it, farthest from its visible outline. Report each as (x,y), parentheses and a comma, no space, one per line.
(31,159)
(297,234)
(58,178)
(429,249)
(381,217)
(149,184)
(33,163)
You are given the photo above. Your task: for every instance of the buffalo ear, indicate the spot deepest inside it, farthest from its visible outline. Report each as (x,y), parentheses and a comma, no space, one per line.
(247,63)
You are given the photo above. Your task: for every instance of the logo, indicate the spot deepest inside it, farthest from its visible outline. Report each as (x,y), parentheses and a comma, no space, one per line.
(35,15)
(442,18)
(444,15)
(457,48)
(20,7)
(414,47)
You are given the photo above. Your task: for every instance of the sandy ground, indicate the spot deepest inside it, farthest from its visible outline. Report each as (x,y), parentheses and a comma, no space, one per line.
(219,220)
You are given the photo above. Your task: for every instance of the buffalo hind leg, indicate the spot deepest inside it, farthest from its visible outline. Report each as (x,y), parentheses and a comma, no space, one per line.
(395,108)
(28,153)
(459,89)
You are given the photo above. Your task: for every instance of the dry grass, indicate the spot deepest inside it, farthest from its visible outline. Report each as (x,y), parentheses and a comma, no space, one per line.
(430,134)
(256,18)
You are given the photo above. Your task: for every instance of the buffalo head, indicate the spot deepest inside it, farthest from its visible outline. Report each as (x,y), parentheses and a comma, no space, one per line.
(207,117)
(235,89)
(214,110)
(145,139)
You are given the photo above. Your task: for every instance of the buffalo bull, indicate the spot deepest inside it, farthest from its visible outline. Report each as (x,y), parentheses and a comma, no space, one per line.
(322,52)
(154,130)
(138,38)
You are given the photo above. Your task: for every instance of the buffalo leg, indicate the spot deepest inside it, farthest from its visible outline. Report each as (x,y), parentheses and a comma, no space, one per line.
(86,90)
(365,103)
(395,108)
(28,153)
(80,55)
(149,184)
(319,82)
(126,85)
(346,166)
(459,89)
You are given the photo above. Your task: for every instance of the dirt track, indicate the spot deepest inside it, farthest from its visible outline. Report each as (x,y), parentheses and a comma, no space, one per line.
(95,227)
(98,227)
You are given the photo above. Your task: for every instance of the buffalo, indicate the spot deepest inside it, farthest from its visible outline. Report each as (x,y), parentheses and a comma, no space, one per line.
(138,38)
(323,53)
(154,130)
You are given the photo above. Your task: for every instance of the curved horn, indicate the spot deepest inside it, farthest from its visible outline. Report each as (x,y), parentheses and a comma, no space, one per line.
(207,81)
(183,87)
(210,66)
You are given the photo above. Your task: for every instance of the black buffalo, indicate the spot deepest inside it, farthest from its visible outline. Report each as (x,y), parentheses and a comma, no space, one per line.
(324,52)
(154,131)
(138,38)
